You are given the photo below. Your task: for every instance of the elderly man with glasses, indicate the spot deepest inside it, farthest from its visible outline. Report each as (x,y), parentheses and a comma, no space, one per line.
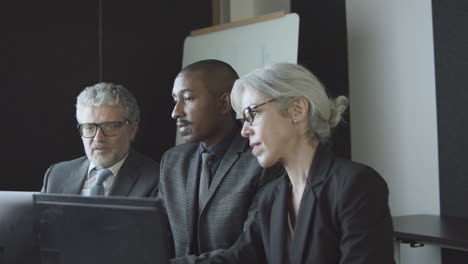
(108,117)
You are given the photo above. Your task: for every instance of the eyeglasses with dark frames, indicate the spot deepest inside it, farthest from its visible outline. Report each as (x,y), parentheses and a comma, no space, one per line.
(249,112)
(109,129)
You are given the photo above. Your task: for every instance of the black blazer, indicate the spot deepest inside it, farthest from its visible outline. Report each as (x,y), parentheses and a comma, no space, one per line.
(343,218)
(138,176)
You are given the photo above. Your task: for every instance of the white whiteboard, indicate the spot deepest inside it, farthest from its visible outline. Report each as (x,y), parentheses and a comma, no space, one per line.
(246,47)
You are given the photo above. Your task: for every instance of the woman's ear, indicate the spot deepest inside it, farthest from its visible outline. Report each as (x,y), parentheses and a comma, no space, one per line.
(299,109)
(225,103)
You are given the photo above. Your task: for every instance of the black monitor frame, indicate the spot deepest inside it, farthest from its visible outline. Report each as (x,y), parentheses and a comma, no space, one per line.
(79,229)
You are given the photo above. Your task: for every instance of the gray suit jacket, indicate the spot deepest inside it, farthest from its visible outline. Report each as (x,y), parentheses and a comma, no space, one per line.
(231,200)
(138,176)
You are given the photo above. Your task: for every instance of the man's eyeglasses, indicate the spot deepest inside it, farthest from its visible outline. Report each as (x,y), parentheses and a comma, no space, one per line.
(109,129)
(249,112)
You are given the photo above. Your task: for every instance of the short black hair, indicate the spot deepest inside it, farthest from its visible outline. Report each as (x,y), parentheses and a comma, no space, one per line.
(218,75)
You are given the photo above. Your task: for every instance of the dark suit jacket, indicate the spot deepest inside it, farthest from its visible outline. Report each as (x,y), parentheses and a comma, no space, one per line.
(230,201)
(138,176)
(343,218)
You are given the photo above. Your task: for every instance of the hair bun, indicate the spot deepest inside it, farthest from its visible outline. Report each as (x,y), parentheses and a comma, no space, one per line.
(338,106)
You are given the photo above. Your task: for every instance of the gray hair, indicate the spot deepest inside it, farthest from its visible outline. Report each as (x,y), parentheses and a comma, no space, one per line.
(111,95)
(287,82)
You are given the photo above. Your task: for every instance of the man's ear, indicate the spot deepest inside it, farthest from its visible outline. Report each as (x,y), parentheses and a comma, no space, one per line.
(133,130)
(299,109)
(225,103)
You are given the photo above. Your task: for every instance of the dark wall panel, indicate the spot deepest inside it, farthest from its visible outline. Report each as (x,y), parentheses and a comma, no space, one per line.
(48,53)
(142,49)
(450,20)
(323,50)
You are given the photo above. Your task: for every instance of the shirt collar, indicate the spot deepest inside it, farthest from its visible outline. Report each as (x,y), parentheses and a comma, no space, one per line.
(222,147)
(114,168)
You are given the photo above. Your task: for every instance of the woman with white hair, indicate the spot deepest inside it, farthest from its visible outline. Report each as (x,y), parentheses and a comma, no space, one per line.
(325,210)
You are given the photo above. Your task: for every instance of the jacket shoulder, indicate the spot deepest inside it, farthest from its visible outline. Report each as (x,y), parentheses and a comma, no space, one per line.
(69,163)
(180,151)
(349,172)
(145,161)
(148,174)
(59,173)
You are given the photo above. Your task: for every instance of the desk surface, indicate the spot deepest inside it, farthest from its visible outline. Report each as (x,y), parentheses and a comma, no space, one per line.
(442,231)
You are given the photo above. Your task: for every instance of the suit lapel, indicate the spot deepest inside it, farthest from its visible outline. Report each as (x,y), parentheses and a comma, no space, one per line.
(192,195)
(279,225)
(76,179)
(126,177)
(230,157)
(305,220)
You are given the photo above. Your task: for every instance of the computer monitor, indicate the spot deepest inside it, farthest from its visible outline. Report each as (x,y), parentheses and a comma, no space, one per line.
(18,244)
(78,229)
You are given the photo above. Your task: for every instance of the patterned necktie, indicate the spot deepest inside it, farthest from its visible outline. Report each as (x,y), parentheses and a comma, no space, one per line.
(97,188)
(204,179)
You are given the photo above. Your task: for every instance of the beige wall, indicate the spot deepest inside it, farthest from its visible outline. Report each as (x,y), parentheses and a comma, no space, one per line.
(393,104)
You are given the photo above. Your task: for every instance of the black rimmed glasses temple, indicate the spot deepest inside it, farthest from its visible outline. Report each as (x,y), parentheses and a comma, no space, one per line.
(109,129)
(249,112)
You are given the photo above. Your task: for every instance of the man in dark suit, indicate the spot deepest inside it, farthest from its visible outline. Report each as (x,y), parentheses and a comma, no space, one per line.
(208,202)
(108,117)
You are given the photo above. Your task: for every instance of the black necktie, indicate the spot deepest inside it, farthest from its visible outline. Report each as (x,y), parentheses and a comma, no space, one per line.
(204,179)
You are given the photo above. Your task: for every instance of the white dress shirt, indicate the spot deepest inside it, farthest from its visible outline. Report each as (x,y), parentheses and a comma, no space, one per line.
(107,183)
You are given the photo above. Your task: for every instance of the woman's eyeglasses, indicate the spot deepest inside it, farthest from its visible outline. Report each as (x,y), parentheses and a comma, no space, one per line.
(249,112)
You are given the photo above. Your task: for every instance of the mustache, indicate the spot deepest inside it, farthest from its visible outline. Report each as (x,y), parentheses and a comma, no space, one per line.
(99,146)
(183,122)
